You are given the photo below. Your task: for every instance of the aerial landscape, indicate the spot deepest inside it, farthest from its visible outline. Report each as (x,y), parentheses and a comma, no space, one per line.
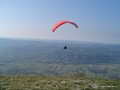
(60,45)
(45,65)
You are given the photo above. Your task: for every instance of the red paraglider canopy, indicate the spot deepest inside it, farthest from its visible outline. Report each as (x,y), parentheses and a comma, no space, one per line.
(59,23)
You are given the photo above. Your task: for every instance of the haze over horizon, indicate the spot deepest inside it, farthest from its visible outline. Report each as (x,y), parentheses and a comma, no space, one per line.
(98,20)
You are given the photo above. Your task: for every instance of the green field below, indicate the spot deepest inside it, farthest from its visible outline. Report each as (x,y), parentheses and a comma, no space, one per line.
(57,83)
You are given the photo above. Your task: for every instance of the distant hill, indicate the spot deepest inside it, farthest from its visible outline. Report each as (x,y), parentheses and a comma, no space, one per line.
(49,57)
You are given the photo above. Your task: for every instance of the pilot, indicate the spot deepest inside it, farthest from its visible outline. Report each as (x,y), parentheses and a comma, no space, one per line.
(65,47)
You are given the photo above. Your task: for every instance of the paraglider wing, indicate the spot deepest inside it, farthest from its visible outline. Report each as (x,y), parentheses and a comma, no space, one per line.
(59,23)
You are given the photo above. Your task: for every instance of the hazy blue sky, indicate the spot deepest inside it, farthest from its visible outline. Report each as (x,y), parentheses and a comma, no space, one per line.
(98,20)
